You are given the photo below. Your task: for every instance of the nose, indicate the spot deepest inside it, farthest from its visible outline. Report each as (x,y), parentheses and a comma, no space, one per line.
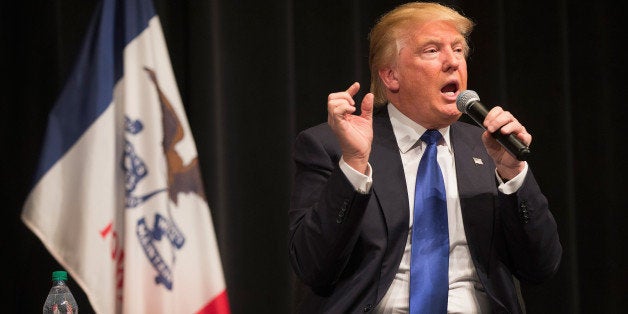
(451,60)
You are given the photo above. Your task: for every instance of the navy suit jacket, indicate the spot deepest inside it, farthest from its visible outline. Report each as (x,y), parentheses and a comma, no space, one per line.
(346,246)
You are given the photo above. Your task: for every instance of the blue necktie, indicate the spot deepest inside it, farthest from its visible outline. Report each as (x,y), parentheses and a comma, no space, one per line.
(429,268)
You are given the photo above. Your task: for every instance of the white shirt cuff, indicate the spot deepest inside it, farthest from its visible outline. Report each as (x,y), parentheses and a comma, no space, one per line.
(361,182)
(512,185)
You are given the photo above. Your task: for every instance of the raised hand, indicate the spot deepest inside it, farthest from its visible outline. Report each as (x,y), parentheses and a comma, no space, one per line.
(497,119)
(355,133)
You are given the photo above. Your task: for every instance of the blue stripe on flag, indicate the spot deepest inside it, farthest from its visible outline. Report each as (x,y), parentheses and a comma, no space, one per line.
(89,89)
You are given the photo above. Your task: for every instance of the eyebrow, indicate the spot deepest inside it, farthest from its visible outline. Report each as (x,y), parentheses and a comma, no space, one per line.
(459,40)
(437,41)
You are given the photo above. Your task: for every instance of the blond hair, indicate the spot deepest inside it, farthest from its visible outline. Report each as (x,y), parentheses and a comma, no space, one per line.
(386,36)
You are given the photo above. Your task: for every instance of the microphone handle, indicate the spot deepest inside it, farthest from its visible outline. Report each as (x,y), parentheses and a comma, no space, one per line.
(509,141)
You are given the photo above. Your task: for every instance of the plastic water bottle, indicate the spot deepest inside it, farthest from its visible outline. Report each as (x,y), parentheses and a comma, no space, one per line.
(60,300)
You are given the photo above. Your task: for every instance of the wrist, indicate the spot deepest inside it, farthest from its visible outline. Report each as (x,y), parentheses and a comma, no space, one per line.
(507,173)
(360,164)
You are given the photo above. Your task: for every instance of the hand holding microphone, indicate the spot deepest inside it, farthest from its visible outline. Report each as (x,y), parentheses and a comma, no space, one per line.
(469,102)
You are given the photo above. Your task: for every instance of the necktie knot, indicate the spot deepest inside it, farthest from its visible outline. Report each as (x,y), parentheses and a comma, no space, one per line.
(431,137)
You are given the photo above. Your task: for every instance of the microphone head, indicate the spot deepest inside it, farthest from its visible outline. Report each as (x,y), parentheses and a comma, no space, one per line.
(465,98)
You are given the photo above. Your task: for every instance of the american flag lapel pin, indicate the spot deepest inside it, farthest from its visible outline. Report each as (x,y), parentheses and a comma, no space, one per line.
(477,161)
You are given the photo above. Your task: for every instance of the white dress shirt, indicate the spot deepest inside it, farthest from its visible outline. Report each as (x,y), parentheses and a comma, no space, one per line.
(466,293)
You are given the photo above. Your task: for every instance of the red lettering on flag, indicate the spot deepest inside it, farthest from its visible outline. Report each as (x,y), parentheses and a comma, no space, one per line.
(117,255)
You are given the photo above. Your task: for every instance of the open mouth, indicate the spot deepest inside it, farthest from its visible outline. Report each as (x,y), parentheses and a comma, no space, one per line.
(450,89)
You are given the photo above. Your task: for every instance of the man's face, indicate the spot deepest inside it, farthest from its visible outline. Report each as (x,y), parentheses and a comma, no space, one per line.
(430,72)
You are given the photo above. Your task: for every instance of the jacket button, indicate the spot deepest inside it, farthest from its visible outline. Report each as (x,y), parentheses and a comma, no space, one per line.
(368,307)
(343,212)
(524,215)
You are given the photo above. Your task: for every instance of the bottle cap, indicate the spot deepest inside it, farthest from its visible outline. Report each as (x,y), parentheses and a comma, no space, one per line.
(59,275)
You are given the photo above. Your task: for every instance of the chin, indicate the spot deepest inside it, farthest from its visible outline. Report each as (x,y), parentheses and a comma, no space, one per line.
(451,111)
(452,116)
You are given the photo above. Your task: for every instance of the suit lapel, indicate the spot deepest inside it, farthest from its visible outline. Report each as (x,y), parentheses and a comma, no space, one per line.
(472,161)
(476,189)
(389,184)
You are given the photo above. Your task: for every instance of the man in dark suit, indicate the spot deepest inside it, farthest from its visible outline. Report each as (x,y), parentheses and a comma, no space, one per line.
(353,204)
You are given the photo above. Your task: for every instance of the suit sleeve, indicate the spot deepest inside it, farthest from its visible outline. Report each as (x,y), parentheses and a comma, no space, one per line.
(325,211)
(530,233)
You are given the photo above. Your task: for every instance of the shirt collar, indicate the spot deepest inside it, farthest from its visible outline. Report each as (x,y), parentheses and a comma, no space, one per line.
(408,132)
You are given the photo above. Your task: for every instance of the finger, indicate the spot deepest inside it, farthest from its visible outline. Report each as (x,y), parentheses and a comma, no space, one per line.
(338,102)
(353,89)
(518,130)
(525,137)
(498,118)
(512,127)
(490,116)
(489,120)
(344,96)
(339,105)
(489,141)
(342,109)
(347,95)
(367,106)
(494,112)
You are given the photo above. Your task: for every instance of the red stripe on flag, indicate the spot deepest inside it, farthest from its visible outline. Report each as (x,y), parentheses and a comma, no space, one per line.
(219,305)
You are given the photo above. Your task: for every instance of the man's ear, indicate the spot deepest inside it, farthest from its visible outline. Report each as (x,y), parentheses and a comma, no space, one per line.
(389,77)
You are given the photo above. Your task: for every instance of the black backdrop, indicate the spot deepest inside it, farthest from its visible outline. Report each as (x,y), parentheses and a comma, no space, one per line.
(254,73)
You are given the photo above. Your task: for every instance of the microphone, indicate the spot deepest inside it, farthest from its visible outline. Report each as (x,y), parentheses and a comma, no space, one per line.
(469,102)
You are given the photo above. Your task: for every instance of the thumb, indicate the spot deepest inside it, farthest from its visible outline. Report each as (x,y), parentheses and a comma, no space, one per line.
(367,106)
(490,142)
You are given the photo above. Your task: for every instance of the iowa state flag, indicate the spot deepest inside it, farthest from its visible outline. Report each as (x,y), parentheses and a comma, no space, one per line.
(118,198)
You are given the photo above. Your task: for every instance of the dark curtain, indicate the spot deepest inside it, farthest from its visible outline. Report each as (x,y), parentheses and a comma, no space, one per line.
(254,73)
